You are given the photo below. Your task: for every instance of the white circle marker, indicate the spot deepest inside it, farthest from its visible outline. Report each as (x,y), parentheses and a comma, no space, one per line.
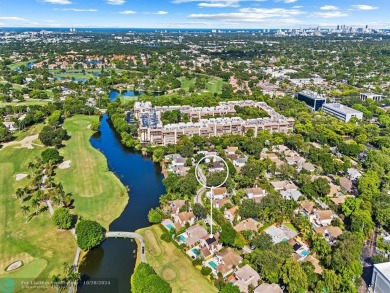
(204,184)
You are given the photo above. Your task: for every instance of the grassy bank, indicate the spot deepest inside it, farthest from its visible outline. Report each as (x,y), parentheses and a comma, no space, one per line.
(98,193)
(172,265)
(38,243)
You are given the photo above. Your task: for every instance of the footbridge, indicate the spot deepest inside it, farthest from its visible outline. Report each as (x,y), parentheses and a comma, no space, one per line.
(116,234)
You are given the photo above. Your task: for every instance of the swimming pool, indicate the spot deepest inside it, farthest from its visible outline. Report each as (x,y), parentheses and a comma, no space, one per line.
(304,253)
(169,226)
(182,238)
(213,265)
(195,251)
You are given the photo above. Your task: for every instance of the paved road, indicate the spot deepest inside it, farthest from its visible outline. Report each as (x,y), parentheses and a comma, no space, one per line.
(113,234)
(198,196)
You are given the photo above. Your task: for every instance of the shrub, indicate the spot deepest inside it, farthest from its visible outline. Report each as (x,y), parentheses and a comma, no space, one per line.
(62,218)
(145,279)
(205,271)
(166,237)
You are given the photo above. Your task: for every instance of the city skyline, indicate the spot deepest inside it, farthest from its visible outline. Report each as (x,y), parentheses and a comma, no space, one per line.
(217,14)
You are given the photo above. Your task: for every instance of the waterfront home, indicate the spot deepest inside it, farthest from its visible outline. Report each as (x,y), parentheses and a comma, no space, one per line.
(194,234)
(227,260)
(231,214)
(268,288)
(210,245)
(246,276)
(184,217)
(247,224)
(175,205)
(172,157)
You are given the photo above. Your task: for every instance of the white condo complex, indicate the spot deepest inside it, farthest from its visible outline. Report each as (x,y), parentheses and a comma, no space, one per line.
(151,129)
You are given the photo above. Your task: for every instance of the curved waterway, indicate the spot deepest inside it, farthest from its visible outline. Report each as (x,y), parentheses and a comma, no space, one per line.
(114,260)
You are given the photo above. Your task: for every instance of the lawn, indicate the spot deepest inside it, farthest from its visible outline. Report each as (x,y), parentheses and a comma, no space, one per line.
(25,103)
(46,246)
(214,85)
(291,226)
(98,193)
(173,265)
(18,64)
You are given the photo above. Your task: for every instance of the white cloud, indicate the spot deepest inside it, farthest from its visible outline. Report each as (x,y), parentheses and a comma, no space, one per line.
(219,4)
(329,14)
(128,12)
(329,7)
(60,2)
(116,2)
(290,1)
(161,12)
(12,18)
(77,10)
(251,15)
(364,7)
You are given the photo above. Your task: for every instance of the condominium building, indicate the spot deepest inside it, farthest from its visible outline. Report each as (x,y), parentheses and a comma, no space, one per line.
(380,282)
(370,96)
(342,112)
(205,121)
(311,99)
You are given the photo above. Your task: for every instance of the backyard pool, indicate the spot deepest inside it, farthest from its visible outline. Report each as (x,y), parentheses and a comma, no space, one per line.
(195,251)
(213,265)
(169,226)
(182,238)
(304,253)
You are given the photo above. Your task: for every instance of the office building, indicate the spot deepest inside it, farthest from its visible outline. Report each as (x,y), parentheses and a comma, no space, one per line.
(342,112)
(380,282)
(311,99)
(205,121)
(370,96)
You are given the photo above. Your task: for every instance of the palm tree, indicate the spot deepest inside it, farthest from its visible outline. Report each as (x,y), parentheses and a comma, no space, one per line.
(25,209)
(74,278)
(66,268)
(31,166)
(20,193)
(35,203)
(55,280)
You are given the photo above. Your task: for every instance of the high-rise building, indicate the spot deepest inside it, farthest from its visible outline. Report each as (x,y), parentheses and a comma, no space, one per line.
(311,99)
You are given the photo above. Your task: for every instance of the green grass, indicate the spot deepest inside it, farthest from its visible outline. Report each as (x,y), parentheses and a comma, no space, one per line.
(18,64)
(172,265)
(32,130)
(291,226)
(39,238)
(214,85)
(28,102)
(98,193)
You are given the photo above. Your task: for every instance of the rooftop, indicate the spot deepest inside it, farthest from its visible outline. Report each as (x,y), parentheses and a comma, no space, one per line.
(341,108)
(384,269)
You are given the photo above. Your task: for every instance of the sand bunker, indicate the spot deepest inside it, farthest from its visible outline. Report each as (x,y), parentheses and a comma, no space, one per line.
(20,176)
(14,266)
(64,165)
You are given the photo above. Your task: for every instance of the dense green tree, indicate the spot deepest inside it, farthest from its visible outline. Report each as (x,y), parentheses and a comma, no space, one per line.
(62,218)
(199,211)
(51,155)
(145,279)
(89,234)
(155,216)
(294,276)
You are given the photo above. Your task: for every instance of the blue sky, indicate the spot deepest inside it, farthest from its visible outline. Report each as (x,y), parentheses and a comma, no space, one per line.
(194,13)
